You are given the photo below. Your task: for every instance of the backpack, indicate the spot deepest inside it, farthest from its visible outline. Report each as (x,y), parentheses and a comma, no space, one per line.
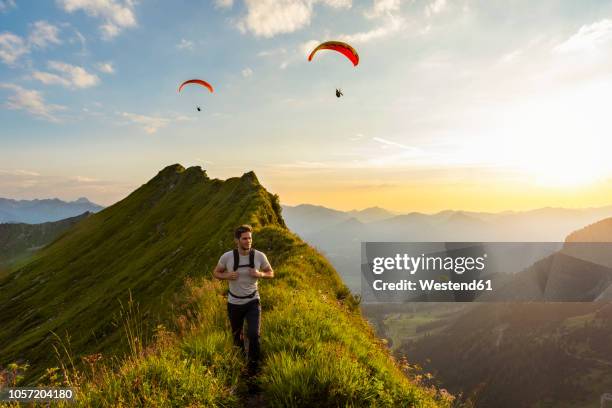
(251,263)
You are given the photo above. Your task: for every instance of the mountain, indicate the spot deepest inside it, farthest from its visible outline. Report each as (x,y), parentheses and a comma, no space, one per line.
(46,210)
(147,243)
(305,218)
(144,265)
(600,231)
(556,354)
(371,214)
(340,242)
(19,241)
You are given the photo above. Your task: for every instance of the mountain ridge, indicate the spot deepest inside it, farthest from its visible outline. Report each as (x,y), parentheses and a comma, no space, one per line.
(166,233)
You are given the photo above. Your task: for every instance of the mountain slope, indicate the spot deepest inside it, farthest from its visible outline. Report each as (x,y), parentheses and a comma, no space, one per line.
(146,243)
(556,354)
(166,234)
(18,241)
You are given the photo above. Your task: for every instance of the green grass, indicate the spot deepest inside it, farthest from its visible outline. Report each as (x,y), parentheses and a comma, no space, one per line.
(317,349)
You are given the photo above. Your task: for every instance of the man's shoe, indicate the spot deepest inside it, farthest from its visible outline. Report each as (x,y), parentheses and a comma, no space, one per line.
(253,369)
(253,386)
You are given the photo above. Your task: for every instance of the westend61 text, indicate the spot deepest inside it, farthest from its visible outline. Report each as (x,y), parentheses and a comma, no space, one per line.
(429,285)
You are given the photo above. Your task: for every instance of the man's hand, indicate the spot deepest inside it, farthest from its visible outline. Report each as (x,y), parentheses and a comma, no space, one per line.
(268,273)
(221,273)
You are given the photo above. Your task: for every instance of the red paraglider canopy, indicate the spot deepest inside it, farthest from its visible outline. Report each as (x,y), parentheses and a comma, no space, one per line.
(340,47)
(197,81)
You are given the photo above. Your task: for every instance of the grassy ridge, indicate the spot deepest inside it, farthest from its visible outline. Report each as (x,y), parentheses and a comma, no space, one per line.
(317,349)
(174,226)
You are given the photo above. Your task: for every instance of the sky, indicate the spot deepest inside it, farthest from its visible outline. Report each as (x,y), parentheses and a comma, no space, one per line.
(465,105)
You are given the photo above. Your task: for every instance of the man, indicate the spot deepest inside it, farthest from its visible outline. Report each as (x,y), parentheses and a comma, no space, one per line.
(242,267)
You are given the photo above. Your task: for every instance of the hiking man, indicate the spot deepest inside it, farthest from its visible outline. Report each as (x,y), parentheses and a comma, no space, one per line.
(242,267)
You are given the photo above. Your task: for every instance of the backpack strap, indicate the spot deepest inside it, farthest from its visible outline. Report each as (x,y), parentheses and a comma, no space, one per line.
(251,263)
(236,259)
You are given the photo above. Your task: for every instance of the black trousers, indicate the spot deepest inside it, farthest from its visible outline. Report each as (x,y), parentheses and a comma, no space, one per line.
(250,311)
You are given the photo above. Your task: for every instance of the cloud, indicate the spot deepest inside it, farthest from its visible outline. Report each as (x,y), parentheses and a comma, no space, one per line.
(12,47)
(116,15)
(301,164)
(247,72)
(150,124)
(6,5)
(393,24)
(70,76)
(42,34)
(266,18)
(382,7)
(83,179)
(307,47)
(32,102)
(106,67)
(435,7)
(224,3)
(50,79)
(389,143)
(185,45)
(19,172)
(588,37)
(338,3)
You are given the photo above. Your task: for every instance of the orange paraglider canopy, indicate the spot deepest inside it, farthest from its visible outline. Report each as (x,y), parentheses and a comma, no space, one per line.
(339,46)
(197,81)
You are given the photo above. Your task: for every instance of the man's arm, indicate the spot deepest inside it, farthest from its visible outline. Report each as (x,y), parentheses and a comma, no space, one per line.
(266,272)
(221,273)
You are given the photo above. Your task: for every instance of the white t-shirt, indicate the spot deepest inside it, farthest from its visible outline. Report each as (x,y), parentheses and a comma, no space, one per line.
(245,284)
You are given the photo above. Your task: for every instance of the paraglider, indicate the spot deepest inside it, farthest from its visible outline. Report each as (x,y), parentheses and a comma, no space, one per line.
(197,82)
(341,47)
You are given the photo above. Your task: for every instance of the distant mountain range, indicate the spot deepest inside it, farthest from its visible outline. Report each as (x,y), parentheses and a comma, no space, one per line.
(338,234)
(308,219)
(45,210)
(508,354)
